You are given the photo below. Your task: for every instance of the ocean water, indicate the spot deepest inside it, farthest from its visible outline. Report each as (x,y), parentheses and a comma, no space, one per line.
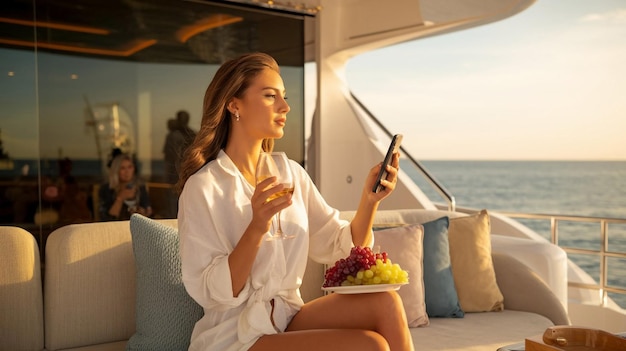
(549,187)
(584,188)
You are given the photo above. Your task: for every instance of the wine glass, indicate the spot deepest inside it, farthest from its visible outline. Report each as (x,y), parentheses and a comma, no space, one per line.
(276,164)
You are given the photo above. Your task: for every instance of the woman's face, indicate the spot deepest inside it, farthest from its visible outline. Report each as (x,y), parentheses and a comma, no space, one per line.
(127,171)
(263,108)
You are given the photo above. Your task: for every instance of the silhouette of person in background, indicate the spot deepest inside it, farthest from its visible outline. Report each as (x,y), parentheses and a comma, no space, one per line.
(175,144)
(172,150)
(74,208)
(178,138)
(182,117)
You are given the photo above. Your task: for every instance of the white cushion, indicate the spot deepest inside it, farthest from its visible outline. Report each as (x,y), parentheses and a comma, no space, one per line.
(404,247)
(479,331)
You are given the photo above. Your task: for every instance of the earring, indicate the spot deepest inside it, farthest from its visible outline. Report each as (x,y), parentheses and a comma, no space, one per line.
(237,116)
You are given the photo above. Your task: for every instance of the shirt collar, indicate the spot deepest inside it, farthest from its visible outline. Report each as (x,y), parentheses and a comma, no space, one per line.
(226,163)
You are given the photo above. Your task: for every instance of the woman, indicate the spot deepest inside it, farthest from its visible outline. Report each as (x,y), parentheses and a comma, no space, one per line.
(124,193)
(248,286)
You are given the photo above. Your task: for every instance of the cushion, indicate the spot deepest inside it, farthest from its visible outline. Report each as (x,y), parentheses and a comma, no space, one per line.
(404,247)
(165,313)
(481,332)
(439,287)
(472,265)
(21,300)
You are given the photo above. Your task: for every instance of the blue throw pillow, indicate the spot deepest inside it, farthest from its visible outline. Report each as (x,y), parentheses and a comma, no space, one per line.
(165,313)
(439,289)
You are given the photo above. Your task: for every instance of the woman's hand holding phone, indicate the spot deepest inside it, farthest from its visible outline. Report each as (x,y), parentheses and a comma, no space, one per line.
(388,184)
(382,178)
(380,183)
(389,159)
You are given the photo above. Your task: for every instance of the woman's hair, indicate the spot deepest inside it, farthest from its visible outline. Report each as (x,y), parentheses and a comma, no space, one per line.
(114,170)
(231,80)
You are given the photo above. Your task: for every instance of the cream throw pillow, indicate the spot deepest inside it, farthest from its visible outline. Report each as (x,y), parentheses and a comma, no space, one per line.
(404,245)
(472,266)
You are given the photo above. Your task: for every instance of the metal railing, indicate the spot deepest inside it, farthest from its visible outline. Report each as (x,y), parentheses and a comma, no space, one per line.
(432,181)
(603,252)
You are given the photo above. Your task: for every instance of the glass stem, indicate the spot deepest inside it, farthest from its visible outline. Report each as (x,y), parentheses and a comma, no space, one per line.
(280,230)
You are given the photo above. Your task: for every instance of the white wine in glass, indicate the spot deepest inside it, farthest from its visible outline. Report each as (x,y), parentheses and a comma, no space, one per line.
(276,164)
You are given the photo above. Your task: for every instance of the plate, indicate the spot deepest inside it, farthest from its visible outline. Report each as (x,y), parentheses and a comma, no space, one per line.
(363,289)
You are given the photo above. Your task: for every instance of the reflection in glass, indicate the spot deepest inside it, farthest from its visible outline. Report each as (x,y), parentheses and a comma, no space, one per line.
(91,90)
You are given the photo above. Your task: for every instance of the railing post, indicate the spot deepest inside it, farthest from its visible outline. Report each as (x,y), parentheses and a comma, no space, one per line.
(602,284)
(604,226)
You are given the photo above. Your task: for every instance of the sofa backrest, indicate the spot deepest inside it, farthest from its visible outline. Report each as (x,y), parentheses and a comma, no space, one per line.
(89,285)
(404,216)
(21,304)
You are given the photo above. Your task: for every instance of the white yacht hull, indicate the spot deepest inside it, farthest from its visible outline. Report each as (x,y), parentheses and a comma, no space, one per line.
(345,142)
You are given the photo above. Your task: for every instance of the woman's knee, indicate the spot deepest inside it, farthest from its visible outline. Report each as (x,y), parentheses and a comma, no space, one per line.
(373,341)
(388,300)
(389,307)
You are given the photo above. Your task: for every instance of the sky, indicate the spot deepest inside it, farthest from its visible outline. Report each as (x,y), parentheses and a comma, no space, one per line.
(546,84)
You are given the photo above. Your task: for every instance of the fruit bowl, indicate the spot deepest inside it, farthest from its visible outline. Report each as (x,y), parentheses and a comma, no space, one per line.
(366,271)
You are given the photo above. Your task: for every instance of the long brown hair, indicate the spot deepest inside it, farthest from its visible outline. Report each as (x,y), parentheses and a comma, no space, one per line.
(231,80)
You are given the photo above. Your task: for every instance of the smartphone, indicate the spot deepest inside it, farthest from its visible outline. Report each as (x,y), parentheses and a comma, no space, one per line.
(393,147)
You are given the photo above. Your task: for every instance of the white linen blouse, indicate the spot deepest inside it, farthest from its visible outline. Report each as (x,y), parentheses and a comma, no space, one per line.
(214,211)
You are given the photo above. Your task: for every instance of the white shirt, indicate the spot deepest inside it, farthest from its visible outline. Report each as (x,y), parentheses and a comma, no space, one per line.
(214,211)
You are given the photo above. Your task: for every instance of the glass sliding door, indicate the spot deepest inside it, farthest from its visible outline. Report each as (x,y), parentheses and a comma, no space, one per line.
(83,81)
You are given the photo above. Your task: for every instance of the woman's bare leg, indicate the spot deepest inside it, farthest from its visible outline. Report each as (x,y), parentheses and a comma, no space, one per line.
(323,339)
(379,312)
